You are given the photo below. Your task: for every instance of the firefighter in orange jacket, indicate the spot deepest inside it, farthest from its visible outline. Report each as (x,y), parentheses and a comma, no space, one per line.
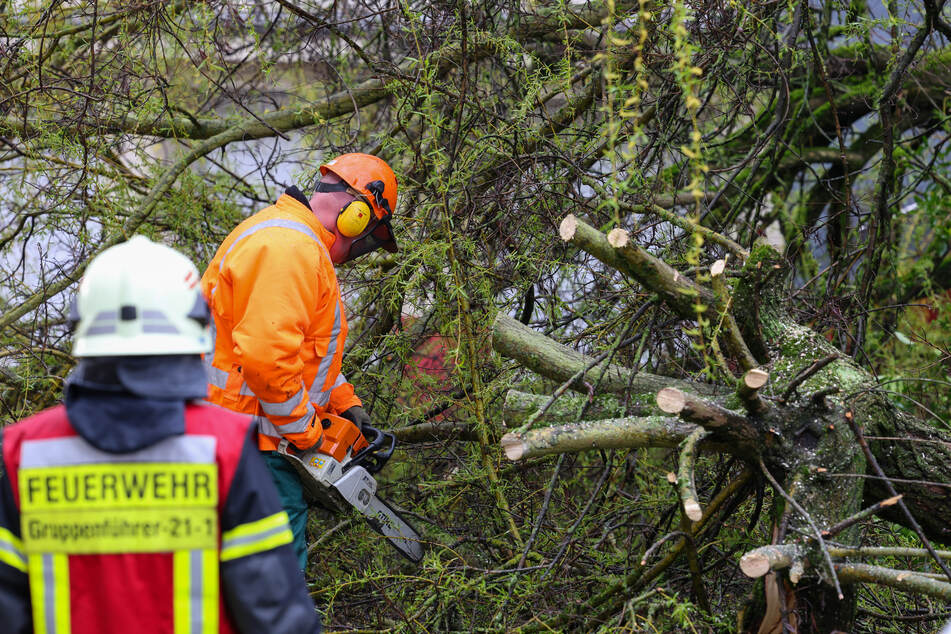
(279,321)
(133,507)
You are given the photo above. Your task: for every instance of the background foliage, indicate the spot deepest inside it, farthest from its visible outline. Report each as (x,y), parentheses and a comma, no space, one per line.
(822,127)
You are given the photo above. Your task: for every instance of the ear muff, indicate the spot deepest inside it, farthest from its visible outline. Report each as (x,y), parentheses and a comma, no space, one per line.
(354,218)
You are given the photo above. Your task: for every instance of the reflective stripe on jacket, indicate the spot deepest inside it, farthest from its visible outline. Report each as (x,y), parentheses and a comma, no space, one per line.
(146,541)
(279,324)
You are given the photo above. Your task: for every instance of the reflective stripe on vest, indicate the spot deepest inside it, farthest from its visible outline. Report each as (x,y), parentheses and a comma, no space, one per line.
(323,370)
(76,499)
(316,392)
(195,574)
(49,593)
(285,409)
(321,398)
(11,550)
(255,537)
(73,450)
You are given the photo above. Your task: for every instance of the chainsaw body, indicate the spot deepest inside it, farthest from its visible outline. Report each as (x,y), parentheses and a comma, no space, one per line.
(337,474)
(326,462)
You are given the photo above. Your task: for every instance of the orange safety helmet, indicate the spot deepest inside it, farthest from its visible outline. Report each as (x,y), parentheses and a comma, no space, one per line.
(376,182)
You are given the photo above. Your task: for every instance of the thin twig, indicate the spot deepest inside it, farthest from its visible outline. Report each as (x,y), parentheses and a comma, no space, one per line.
(543,511)
(926,441)
(574,527)
(923,483)
(661,541)
(823,77)
(327,534)
(580,373)
(805,374)
(835,529)
(818,398)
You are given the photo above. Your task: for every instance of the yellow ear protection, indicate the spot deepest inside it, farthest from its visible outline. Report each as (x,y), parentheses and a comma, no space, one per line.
(353,218)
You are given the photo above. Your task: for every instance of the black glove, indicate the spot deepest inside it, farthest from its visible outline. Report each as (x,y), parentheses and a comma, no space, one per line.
(358,416)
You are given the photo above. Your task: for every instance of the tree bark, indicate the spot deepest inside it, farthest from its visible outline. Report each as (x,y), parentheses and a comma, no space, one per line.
(615,433)
(520,406)
(535,351)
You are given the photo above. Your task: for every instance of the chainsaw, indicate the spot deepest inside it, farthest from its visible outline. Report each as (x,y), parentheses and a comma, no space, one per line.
(336,473)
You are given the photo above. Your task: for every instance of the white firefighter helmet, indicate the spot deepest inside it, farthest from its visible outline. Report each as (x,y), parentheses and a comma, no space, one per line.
(140,298)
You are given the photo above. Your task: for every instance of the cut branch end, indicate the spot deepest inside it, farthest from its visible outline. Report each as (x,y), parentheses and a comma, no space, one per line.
(618,238)
(513,446)
(756,378)
(759,561)
(748,390)
(568,227)
(692,510)
(671,400)
(754,564)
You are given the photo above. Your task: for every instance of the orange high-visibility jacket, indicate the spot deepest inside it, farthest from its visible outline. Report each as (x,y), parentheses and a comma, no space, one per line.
(279,325)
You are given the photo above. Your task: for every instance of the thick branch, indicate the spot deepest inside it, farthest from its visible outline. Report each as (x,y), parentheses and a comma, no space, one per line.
(886,551)
(703,413)
(520,406)
(620,253)
(427,432)
(547,357)
(898,579)
(758,562)
(615,433)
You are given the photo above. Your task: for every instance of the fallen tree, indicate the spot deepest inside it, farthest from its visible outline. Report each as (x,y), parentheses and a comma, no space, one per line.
(799,421)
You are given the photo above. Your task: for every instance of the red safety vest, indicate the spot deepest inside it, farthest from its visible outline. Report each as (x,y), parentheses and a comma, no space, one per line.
(125,542)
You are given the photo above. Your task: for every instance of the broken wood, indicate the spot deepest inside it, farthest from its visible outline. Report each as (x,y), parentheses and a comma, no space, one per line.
(559,363)
(628,258)
(759,561)
(616,433)
(685,474)
(748,390)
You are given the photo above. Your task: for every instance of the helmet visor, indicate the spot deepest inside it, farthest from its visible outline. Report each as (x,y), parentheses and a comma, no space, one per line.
(380,236)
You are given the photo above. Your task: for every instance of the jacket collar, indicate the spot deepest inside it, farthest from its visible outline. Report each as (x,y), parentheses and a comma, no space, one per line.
(294,202)
(297,195)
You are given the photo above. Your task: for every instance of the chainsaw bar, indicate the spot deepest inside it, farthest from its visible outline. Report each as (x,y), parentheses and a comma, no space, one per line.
(358,487)
(326,483)
(384,520)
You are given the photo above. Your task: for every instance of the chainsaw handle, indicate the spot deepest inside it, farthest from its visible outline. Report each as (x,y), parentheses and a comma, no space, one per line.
(374,456)
(286,448)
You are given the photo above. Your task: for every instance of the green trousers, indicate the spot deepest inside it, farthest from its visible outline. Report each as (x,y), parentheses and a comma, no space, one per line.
(292,499)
